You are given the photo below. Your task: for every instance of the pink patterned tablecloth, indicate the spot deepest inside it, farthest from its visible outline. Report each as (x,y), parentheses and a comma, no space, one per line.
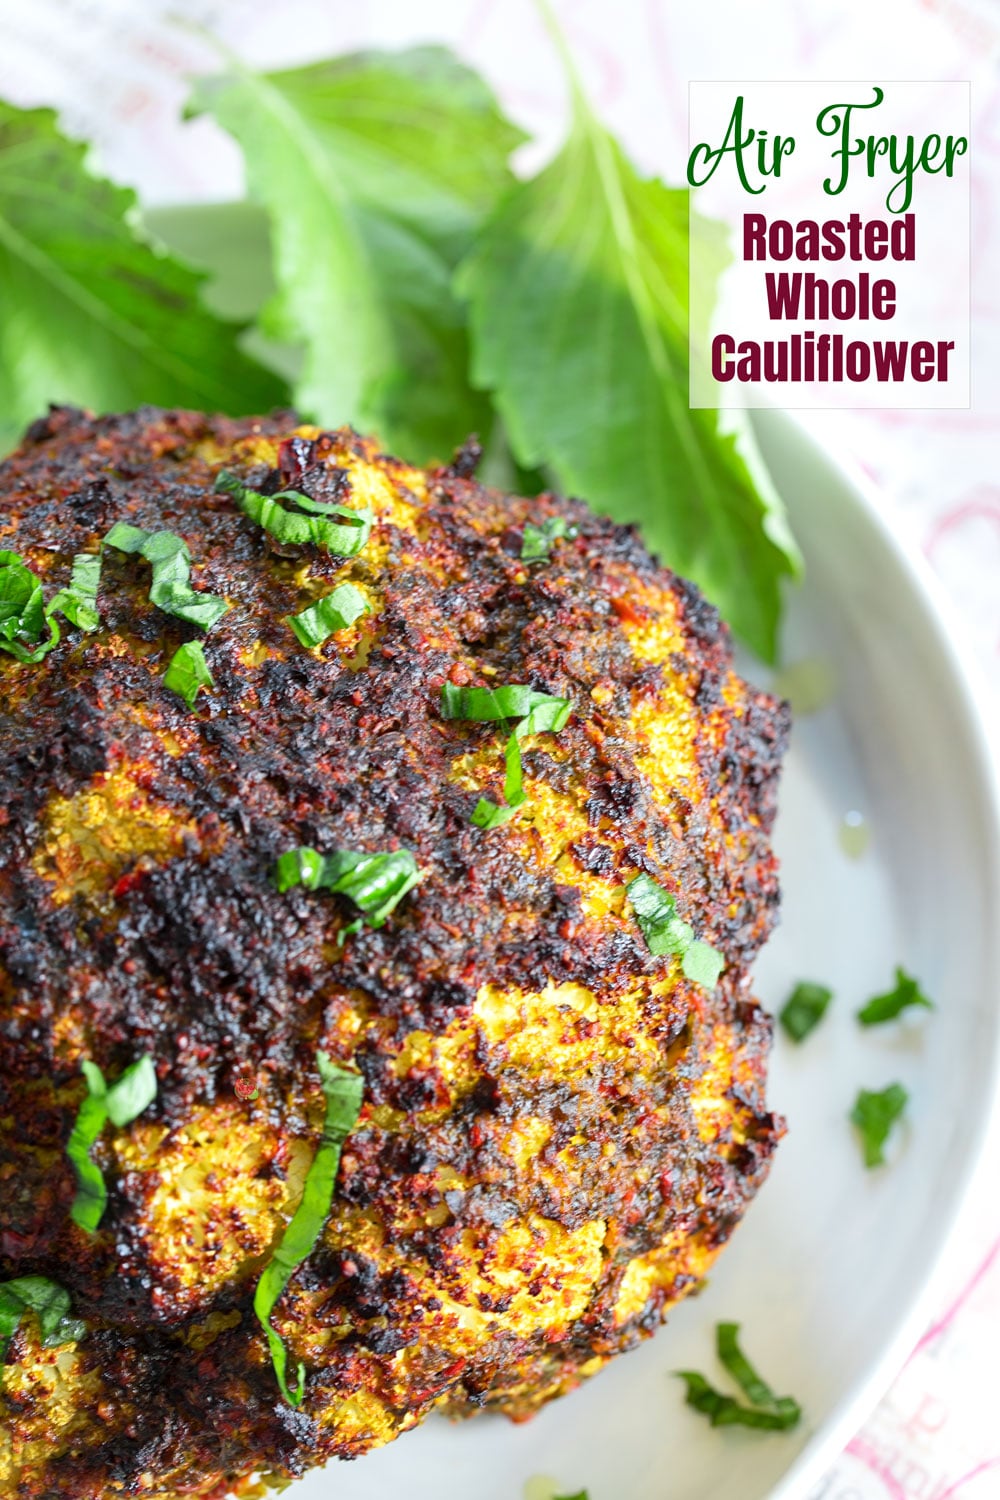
(117,71)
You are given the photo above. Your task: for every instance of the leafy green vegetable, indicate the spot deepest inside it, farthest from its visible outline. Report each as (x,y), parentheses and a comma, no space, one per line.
(804,1009)
(578,296)
(188,671)
(376,883)
(874,1114)
(170,589)
(375,170)
(887,1007)
(667,933)
(334,612)
(91,312)
(766,1410)
(346,536)
(343,1091)
(123,1102)
(78,602)
(487,814)
(22,612)
(48,1301)
(536,541)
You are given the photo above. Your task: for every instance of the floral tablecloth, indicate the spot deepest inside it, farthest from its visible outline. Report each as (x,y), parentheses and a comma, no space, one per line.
(117,71)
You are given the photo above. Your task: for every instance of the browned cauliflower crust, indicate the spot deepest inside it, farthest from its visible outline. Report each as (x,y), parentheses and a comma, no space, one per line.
(559,1131)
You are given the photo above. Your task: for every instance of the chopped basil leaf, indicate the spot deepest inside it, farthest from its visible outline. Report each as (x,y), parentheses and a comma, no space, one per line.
(536,541)
(887,1007)
(874,1114)
(343,1091)
(804,1009)
(376,883)
(702,964)
(346,536)
(188,671)
(334,612)
(22,612)
(170,589)
(79,602)
(725,1411)
(48,1301)
(121,1103)
(756,1390)
(510,701)
(580,1495)
(667,933)
(538,713)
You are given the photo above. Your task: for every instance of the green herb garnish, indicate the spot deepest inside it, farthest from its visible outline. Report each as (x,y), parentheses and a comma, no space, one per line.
(541,712)
(334,612)
(343,1091)
(766,1410)
(536,541)
(170,589)
(667,933)
(22,612)
(874,1114)
(804,1009)
(126,1098)
(511,701)
(376,883)
(887,1007)
(78,602)
(345,536)
(188,671)
(48,1301)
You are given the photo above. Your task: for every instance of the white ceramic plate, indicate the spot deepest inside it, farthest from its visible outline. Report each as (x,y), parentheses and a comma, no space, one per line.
(829,1273)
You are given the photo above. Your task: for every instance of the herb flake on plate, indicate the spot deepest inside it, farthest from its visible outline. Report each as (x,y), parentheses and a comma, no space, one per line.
(905,993)
(874,1114)
(804,1009)
(765,1410)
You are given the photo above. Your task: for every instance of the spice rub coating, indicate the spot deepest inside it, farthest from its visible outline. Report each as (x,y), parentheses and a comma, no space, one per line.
(559,1131)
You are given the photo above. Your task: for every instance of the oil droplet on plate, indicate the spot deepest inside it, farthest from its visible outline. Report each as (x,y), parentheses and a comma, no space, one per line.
(808,685)
(540,1487)
(855,835)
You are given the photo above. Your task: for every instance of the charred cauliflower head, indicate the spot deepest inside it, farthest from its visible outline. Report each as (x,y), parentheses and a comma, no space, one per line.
(558,1128)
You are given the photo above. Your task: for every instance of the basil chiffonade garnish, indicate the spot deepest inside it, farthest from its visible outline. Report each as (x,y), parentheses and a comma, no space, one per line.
(874,1114)
(170,588)
(48,1301)
(536,541)
(536,712)
(376,883)
(667,933)
(887,1007)
(343,1091)
(24,616)
(335,611)
(804,1009)
(188,672)
(766,1410)
(345,536)
(121,1103)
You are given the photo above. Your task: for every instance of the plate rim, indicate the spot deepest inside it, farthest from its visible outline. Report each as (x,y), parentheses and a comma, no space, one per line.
(981,734)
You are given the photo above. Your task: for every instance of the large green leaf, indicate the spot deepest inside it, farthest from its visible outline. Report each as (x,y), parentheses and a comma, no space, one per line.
(578,294)
(376,170)
(90,313)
